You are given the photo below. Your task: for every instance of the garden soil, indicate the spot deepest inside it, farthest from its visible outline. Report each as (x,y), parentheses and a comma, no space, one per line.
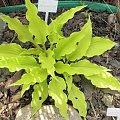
(98,100)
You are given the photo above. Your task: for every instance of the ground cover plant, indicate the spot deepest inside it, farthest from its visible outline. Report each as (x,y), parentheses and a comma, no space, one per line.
(51,69)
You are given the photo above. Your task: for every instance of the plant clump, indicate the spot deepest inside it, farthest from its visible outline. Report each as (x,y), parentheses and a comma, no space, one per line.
(51,69)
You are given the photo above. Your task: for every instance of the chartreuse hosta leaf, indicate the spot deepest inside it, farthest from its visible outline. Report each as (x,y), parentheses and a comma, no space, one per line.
(78,100)
(64,47)
(22,30)
(54,37)
(76,96)
(68,79)
(18,63)
(81,67)
(104,80)
(31,51)
(98,46)
(47,61)
(39,95)
(57,24)
(14,50)
(84,42)
(56,88)
(36,75)
(37,26)
(10,50)
(25,87)
(69,45)
(90,67)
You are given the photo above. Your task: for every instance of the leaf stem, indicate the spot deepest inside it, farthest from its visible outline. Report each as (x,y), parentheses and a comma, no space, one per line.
(36,45)
(51,46)
(44,47)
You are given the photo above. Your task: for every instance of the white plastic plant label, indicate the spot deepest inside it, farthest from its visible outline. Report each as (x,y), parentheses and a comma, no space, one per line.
(115,112)
(47,5)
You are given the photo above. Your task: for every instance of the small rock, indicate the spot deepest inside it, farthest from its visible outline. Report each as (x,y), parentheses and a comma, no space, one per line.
(47,112)
(97,59)
(8,34)
(111,19)
(4,43)
(16,97)
(115,63)
(107,99)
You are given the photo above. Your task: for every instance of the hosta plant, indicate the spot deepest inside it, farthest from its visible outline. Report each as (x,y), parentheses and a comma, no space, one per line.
(51,69)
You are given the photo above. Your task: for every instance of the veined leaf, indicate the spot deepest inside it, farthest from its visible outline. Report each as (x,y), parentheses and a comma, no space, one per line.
(78,100)
(85,37)
(24,88)
(18,63)
(68,45)
(54,37)
(68,79)
(36,75)
(104,80)
(60,67)
(37,26)
(88,68)
(98,46)
(31,51)
(81,67)
(58,23)
(10,50)
(39,95)
(47,61)
(64,47)
(22,30)
(56,88)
